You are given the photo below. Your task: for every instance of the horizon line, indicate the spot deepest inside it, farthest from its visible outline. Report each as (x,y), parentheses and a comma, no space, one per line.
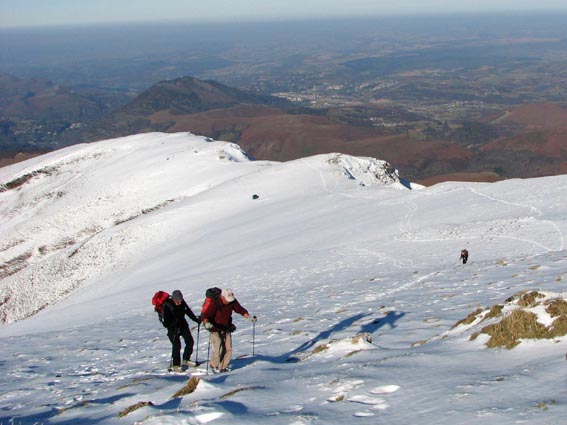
(275,20)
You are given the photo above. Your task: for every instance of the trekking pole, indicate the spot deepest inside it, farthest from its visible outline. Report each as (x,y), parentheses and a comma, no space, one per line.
(253,334)
(208,352)
(197,349)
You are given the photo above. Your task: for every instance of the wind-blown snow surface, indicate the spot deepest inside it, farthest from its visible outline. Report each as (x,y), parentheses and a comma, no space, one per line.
(333,247)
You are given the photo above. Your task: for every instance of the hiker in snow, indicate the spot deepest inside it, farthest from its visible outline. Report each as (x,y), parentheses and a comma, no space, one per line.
(174,310)
(217,319)
(464,256)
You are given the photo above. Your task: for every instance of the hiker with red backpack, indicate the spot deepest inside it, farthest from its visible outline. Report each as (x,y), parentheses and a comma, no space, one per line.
(174,310)
(216,315)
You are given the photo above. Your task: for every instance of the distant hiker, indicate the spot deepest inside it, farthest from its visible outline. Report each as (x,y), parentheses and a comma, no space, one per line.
(217,319)
(464,256)
(174,310)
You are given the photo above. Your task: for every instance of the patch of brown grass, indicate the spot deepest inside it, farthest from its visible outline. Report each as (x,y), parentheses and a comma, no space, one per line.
(320,348)
(82,403)
(530,299)
(557,308)
(519,324)
(558,327)
(522,324)
(544,405)
(469,319)
(236,391)
(144,211)
(337,399)
(188,388)
(495,311)
(14,265)
(134,407)
(352,353)
(22,180)
(133,383)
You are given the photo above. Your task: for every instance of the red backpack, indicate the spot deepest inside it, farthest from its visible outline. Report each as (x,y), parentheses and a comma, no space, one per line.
(157,300)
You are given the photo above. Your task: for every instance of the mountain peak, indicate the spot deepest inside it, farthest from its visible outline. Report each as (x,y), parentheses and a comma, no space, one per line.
(190,95)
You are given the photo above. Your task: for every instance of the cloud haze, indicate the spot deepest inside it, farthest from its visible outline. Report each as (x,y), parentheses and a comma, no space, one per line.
(61,12)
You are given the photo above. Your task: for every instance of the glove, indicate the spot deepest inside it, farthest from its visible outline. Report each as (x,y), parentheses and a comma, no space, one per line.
(211,328)
(231,328)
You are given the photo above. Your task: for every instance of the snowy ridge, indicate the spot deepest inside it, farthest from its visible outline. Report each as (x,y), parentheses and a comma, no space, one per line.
(358,289)
(367,171)
(60,224)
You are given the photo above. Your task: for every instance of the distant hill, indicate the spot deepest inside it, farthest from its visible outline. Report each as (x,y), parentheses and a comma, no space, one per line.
(532,153)
(534,116)
(13,157)
(525,141)
(175,98)
(269,127)
(189,95)
(537,145)
(38,99)
(35,113)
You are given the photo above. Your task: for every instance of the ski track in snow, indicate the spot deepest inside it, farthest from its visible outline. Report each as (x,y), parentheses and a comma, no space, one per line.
(406,229)
(538,213)
(321,176)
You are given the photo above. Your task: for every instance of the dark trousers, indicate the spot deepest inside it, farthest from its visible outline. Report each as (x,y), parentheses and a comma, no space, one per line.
(175,338)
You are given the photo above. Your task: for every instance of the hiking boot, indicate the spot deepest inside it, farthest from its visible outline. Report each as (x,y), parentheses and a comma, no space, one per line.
(188,363)
(176,369)
(226,369)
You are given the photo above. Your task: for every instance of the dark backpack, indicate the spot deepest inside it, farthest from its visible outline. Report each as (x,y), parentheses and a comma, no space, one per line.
(157,300)
(213,293)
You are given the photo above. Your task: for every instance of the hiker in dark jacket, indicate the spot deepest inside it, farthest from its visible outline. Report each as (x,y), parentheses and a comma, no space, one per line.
(217,319)
(464,256)
(174,310)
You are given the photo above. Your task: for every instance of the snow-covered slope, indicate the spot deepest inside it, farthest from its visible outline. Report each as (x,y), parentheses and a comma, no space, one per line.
(64,214)
(354,278)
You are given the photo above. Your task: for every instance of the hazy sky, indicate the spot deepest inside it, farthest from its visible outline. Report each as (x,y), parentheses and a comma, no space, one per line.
(55,12)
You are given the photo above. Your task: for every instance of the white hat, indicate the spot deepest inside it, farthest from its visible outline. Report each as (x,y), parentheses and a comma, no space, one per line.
(227,295)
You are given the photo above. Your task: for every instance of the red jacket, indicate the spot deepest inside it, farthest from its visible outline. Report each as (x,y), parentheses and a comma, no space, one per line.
(219,314)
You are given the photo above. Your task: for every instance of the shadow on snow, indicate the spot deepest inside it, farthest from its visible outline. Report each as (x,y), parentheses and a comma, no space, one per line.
(389,320)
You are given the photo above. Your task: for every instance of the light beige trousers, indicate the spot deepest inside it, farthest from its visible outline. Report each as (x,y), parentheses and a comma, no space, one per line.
(222,349)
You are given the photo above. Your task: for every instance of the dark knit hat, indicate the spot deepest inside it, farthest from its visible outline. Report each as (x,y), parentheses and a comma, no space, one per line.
(177,295)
